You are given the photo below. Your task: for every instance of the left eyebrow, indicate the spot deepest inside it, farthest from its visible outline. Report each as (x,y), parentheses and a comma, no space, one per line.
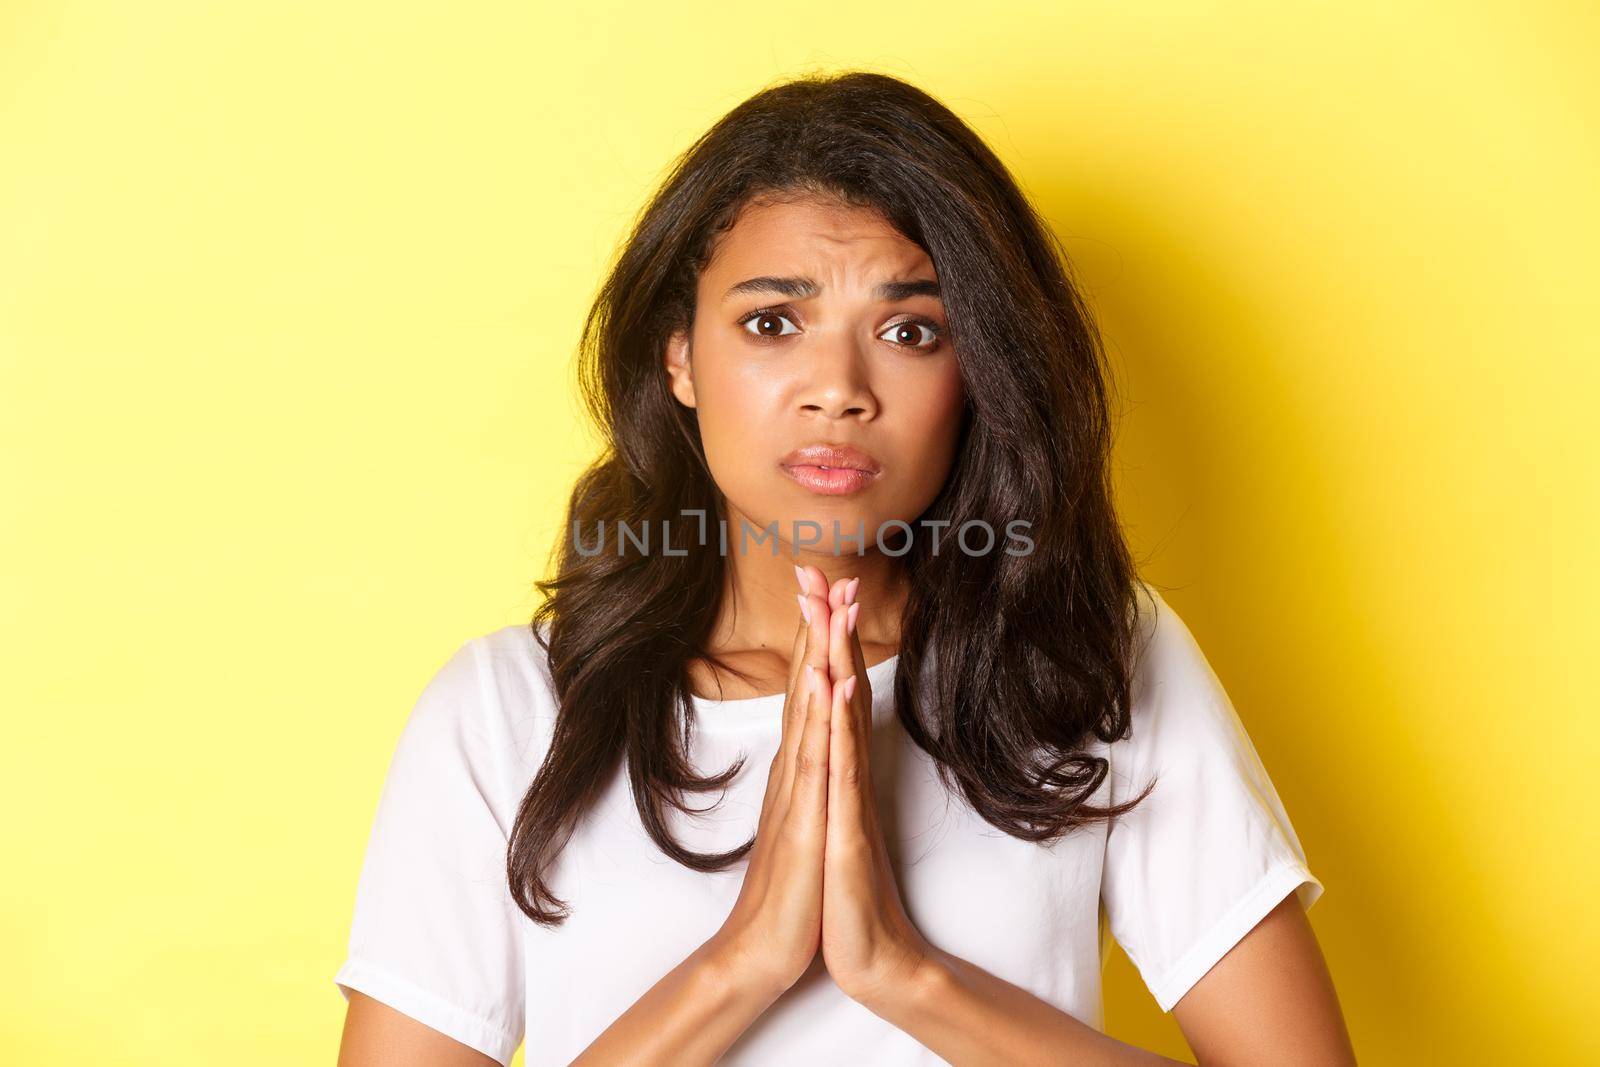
(804,288)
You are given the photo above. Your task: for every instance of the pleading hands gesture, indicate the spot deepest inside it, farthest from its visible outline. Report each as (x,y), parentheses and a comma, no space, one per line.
(819,875)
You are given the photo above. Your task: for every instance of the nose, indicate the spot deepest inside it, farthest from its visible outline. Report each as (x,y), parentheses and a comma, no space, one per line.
(836,384)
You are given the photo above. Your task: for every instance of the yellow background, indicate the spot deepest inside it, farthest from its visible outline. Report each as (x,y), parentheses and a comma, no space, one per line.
(288,299)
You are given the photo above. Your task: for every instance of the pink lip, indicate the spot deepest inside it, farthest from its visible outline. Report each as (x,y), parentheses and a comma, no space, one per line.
(832,470)
(838,481)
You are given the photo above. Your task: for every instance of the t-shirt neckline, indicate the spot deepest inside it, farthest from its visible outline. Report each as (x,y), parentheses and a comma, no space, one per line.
(718,715)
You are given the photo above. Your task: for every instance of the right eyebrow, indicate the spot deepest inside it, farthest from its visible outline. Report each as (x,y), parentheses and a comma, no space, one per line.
(793,288)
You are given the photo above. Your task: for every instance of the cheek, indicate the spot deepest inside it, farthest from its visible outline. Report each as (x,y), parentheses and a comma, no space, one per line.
(948,399)
(938,400)
(941,405)
(934,406)
(737,409)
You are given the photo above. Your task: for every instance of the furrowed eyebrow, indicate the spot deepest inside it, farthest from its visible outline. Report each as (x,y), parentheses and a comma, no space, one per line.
(793,288)
(803,288)
(903,290)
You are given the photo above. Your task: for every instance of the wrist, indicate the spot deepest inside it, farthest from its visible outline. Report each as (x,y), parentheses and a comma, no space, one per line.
(730,973)
(916,989)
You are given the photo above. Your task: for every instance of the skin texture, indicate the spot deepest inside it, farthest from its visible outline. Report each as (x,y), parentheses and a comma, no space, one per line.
(818,878)
(376,1035)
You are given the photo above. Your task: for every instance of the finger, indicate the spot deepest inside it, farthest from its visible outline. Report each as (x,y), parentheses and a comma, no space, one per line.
(789,749)
(809,803)
(812,640)
(775,798)
(793,710)
(815,603)
(851,592)
(845,769)
(794,714)
(815,584)
(816,651)
(845,658)
(858,661)
(814,606)
(812,580)
(797,650)
(840,664)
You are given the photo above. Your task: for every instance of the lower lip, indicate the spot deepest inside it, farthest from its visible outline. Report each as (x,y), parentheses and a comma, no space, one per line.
(834,481)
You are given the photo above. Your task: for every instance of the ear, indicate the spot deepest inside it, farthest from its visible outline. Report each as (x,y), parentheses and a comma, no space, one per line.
(678,370)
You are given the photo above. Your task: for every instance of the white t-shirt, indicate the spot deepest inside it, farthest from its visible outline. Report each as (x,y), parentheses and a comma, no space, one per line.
(435,935)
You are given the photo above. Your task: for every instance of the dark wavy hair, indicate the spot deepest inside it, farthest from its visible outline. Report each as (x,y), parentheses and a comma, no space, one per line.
(1028,655)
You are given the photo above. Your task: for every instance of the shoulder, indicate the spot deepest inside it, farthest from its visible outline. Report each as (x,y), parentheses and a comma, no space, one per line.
(1169,661)
(492,698)
(515,669)
(1178,703)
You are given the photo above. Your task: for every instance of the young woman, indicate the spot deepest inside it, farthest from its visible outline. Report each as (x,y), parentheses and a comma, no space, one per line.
(848,573)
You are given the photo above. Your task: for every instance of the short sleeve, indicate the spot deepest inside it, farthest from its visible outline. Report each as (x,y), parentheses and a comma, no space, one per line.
(1210,851)
(435,933)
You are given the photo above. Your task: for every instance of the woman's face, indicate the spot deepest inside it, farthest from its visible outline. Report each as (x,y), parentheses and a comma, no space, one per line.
(819,325)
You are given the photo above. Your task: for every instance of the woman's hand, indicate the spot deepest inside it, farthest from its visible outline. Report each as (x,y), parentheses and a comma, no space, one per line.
(773,932)
(869,944)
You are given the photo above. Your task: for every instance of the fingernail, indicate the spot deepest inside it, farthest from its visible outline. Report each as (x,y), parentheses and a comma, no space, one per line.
(850,590)
(850,687)
(805,607)
(850,617)
(800,576)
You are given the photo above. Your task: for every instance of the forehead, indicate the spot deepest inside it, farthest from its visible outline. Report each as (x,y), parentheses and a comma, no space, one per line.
(830,241)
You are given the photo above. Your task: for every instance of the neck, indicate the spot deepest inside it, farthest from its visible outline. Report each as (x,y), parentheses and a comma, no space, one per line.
(759,610)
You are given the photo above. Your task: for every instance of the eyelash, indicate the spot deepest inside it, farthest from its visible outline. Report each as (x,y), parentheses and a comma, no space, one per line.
(785,313)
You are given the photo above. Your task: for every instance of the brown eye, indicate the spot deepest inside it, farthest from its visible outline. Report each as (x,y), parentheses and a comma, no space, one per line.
(767,324)
(913,334)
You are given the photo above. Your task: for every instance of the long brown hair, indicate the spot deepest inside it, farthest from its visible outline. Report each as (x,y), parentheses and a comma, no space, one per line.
(1031,654)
